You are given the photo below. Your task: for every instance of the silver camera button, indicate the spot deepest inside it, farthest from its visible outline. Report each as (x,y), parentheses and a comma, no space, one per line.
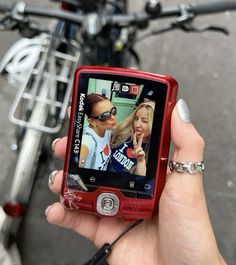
(108,204)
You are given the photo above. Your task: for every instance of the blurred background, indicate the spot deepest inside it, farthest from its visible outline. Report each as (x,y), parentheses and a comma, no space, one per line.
(204,65)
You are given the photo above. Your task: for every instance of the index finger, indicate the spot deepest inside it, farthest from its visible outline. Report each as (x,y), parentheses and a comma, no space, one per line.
(140,140)
(134,139)
(82,223)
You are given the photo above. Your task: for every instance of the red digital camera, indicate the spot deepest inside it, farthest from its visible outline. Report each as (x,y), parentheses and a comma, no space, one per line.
(118,142)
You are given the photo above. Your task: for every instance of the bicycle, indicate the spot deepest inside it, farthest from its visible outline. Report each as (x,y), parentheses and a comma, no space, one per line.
(91,47)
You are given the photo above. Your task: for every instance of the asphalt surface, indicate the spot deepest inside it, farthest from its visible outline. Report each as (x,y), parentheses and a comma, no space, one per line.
(204,65)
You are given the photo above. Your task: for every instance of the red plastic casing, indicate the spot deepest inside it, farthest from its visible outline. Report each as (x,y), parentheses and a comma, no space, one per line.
(130,208)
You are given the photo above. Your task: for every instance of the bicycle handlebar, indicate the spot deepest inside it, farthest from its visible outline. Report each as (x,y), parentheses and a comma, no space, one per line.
(127,19)
(212,7)
(195,8)
(52,13)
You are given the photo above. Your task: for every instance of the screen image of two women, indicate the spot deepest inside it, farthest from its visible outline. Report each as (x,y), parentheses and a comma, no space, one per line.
(116,147)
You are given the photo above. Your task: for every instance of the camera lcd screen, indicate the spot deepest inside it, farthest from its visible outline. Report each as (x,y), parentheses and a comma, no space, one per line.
(116,134)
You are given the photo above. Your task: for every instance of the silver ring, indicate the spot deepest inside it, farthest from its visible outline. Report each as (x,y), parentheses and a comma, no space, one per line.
(190,167)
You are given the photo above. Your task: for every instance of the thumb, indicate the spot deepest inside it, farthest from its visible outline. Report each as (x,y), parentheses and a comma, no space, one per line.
(183,210)
(189,145)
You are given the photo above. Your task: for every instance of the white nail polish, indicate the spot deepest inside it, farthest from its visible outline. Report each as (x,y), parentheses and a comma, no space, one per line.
(54,143)
(51,177)
(68,112)
(48,210)
(183,111)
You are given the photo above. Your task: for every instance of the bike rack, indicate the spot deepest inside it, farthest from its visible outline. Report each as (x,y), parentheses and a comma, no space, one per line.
(45,77)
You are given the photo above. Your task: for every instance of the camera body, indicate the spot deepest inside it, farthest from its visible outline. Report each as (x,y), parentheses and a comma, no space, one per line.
(118,141)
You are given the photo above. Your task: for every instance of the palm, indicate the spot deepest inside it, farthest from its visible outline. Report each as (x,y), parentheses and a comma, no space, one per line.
(138,240)
(160,240)
(180,234)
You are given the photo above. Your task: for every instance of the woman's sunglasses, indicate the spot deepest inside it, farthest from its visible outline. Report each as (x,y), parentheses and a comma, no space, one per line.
(106,115)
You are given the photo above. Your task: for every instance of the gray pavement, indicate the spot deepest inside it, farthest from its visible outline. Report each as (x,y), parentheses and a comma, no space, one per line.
(204,65)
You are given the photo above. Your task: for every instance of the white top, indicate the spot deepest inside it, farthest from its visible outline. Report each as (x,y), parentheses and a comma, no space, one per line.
(99,149)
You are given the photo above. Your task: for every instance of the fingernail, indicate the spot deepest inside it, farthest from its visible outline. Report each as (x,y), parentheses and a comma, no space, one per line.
(183,111)
(48,210)
(51,177)
(69,111)
(54,143)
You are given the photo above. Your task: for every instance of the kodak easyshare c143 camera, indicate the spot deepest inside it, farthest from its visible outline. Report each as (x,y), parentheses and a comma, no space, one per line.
(118,142)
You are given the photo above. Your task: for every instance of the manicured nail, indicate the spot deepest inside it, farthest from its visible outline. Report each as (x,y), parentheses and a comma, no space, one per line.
(51,177)
(69,111)
(48,210)
(54,143)
(183,111)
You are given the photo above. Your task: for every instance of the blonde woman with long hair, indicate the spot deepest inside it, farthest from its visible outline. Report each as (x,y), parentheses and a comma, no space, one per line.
(130,141)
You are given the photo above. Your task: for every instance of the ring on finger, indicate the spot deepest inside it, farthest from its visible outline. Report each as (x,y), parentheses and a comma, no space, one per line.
(187,167)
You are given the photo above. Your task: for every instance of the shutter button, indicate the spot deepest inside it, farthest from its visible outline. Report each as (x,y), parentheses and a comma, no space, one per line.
(108,204)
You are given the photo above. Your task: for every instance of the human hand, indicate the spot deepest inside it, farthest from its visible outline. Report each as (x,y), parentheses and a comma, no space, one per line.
(180,234)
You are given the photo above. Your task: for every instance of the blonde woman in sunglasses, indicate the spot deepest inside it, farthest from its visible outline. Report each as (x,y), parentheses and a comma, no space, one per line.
(95,149)
(130,141)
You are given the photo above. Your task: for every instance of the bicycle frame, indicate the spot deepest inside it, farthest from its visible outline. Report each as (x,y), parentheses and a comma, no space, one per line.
(44,95)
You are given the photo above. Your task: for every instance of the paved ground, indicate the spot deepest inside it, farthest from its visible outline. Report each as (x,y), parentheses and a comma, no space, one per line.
(204,65)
